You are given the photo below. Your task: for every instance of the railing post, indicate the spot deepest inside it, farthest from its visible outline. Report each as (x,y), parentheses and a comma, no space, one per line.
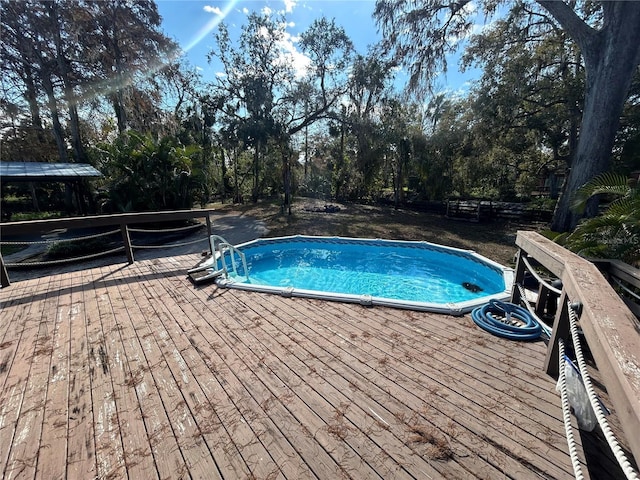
(209,233)
(547,302)
(4,276)
(519,277)
(127,242)
(560,330)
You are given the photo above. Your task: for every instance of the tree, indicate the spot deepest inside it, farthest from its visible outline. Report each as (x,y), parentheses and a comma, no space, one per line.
(444,164)
(368,89)
(125,46)
(18,79)
(63,65)
(65,56)
(528,99)
(401,125)
(330,53)
(316,96)
(30,60)
(247,92)
(422,35)
(145,175)
(264,102)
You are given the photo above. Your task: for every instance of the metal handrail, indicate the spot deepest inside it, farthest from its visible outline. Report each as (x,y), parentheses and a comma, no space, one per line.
(219,248)
(227,247)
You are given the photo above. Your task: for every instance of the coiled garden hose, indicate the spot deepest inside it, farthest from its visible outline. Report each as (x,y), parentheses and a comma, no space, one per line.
(507,320)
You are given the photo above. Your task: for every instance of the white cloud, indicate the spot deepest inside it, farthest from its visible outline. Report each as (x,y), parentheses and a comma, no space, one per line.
(454,93)
(291,53)
(263,32)
(474,29)
(289,4)
(266,11)
(214,10)
(470,7)
(220,74)
(245,10)
(483,28)
(478,23)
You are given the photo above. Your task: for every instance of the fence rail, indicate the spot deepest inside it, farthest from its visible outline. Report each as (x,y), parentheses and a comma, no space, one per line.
(487,210)
(610,327)
(123,221)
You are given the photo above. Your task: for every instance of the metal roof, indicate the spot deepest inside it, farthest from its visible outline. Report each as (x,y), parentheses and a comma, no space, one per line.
(42,171)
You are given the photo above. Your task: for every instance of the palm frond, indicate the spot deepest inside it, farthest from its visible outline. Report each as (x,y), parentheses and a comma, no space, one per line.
(606,183)
(616,232)
(627,207)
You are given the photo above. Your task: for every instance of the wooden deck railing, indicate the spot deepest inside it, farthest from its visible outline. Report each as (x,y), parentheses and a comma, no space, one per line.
(609,326)
(124,221)
(626,279)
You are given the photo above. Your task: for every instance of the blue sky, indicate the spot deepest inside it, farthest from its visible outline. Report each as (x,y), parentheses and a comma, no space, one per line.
(192,23)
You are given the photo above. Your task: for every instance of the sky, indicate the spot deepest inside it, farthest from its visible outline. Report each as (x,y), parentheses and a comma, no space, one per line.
(192,24)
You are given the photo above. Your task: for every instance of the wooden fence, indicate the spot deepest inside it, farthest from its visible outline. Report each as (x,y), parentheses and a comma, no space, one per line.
(486,210)
(124,221)
(478,210)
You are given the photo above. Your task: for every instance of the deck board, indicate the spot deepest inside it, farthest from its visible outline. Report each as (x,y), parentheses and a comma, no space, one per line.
(172,431)
(318,405)
(409,406)
(249,397)
(126,373)
(255,396)
(130,370)
(81,445)
(51,463)
(28,377)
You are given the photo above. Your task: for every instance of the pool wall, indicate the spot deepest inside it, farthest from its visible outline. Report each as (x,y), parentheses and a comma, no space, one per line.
(457,308)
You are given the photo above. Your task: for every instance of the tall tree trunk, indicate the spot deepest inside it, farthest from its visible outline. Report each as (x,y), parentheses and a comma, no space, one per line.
(31,95)
(256,173)
(226,188)
(286,173)
(117,101)
(306,151)
(64,73)
(236,196)
(120,110)
(76,138)
(339,169)
(398,174)
(58,132)
(611,57)
(118,97)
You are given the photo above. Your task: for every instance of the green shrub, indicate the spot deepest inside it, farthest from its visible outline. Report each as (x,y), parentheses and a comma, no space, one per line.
(24,216)
(9,249)
(74,249)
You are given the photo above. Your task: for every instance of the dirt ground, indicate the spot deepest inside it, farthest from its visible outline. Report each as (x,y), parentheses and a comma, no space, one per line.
(495,240)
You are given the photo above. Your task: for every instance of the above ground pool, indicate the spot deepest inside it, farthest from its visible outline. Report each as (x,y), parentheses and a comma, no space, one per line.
(413,275)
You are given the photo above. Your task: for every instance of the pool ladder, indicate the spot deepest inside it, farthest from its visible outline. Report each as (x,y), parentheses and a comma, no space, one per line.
(218,265)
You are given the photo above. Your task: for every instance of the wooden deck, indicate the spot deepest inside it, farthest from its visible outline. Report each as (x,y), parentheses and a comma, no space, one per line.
(131,371)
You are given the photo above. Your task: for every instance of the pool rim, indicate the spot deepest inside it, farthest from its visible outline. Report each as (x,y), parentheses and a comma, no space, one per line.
(451,308)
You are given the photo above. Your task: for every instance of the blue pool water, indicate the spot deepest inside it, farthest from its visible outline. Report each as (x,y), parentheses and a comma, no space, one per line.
(416,275)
